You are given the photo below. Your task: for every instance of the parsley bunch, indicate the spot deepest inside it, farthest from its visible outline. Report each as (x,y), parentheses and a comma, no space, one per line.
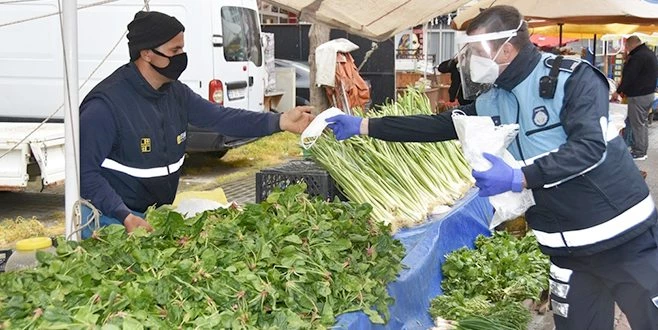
(492,280)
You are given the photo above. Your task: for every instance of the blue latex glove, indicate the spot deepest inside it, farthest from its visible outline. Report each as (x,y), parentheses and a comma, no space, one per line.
(344,126)
(499,178)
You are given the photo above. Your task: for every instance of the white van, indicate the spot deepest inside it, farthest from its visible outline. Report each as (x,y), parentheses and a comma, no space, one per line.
(222,39)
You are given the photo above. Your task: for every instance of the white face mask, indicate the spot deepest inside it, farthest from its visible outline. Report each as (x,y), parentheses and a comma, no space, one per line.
(316,127)
(483,70)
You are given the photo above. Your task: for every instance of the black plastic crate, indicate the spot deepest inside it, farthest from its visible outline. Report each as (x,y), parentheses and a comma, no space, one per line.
(318,181)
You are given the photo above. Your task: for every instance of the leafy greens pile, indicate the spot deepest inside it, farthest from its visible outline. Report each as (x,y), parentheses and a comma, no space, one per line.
(493,280)
(286,263)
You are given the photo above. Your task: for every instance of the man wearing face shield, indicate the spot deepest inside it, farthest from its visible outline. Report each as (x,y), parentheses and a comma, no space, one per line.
(601,235)
(133,125)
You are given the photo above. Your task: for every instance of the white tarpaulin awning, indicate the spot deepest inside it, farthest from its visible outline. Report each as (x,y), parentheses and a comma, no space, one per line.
(543,12)
(373,19)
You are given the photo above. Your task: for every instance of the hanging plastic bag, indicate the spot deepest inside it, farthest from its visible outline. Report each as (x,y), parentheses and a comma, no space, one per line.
(477,135)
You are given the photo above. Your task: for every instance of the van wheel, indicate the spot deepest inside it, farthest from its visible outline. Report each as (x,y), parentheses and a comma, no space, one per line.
(220,154)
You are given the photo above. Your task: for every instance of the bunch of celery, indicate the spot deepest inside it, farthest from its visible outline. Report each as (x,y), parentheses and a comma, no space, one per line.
(402,181)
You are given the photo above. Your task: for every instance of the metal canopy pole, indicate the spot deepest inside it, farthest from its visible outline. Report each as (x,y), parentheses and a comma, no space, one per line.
(71,109)
(594,52)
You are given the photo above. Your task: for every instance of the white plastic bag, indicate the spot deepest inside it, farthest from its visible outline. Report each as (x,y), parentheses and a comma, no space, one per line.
(189,203)
(478,135)
(616,119)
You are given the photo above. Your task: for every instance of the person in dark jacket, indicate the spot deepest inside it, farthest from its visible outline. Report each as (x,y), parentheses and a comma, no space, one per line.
(133,126)
(455,91)
(601,235)
(638,84)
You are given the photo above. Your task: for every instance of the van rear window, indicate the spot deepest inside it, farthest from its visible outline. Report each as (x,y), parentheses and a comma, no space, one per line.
(240,27)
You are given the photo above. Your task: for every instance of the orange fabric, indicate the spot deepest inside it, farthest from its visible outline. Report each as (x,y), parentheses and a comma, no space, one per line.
(348,78)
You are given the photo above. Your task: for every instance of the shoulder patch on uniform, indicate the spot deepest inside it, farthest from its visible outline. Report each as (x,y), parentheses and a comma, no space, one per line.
(568,64)
(540,116)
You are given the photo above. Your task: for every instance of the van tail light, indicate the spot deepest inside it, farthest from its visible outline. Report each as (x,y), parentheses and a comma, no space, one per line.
(216,91)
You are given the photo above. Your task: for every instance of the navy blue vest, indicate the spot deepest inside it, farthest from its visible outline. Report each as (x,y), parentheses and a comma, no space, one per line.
(145,162)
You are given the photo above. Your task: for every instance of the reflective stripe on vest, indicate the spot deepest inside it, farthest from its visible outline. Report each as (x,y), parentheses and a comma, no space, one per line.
(607,230)
(153,172)
(528,162)
(611,134)
(561,274)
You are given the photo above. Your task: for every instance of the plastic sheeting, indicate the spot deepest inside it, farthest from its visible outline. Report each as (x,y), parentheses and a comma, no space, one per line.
(267,40)
(427,246)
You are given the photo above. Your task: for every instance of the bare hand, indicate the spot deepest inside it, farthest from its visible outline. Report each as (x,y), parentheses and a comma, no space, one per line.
(614,97)
(133,222)
(296,120)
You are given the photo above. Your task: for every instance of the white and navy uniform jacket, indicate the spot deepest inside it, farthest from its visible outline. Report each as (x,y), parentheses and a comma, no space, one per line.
(133,139)
(589,194)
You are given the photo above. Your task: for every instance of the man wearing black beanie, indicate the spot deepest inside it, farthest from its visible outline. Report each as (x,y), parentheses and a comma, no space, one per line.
(133,125)
(151,29)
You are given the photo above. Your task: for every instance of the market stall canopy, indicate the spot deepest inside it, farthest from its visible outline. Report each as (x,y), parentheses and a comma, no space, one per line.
(543,13)
(585,31)
(373,19)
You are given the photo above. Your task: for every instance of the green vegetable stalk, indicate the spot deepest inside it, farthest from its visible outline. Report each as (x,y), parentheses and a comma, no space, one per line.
(473,323)
(402,181)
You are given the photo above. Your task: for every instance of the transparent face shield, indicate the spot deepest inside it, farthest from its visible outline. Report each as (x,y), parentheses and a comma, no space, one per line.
(477,61)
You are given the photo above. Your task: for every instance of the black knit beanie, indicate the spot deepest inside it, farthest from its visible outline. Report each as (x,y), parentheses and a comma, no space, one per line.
(150,29)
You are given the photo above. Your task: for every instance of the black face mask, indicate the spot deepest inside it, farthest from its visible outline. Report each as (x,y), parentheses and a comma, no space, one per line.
(177,65)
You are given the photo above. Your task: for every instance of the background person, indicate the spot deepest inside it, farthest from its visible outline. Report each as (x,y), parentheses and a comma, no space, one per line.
(638,84)
(455,90)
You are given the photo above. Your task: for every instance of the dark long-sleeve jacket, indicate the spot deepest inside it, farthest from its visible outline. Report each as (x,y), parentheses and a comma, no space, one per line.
(455,91)
(640,73)
(132,139)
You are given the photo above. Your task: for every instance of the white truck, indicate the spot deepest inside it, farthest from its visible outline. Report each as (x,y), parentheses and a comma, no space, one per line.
(222,39)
